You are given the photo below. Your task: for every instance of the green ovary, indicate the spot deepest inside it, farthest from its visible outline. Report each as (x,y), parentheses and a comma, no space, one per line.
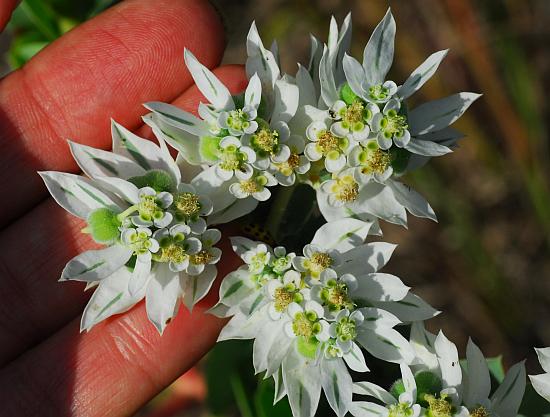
(305,326)
(374,161)
(148,208)
(238,120)
(140,243)
(400,410)
(394,124)
(378,92)
(231,158)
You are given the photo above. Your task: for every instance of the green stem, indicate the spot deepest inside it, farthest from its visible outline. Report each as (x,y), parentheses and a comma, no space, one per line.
(240,396)
(127,212)
(278,209)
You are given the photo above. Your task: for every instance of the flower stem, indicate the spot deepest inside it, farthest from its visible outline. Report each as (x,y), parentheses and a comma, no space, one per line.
(278,209)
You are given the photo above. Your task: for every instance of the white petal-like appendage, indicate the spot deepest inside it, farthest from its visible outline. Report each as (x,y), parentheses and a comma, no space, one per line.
(421,74)
(378,54)
(209,85)
(95,265)
(337,385)
(162,296)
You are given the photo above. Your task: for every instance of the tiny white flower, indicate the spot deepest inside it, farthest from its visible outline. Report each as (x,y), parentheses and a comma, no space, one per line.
(352,120)
(325,144)
(257,258)
(371,161)
(390,125)
(234,160)
(152,208)
(255,186)
(316,260)
(307,322)
(190,207)
(296,163)
(176,246)
(208,256)
(342,189)
(282,292)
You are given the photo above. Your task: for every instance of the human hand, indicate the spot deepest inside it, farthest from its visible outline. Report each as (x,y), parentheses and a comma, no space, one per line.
(104,68)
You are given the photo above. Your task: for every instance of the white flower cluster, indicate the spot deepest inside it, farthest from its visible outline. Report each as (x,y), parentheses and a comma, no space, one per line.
(340,126)
(154,225)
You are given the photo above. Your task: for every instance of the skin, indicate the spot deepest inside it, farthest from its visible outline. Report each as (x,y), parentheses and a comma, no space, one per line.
(104,68)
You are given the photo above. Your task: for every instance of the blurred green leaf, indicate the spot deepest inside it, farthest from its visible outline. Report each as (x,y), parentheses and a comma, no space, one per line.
(263,400)
(496,368)
(44,18)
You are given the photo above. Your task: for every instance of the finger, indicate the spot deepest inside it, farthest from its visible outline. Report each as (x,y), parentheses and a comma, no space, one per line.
(104,68)
(33,252)
(6,9)
(112,370)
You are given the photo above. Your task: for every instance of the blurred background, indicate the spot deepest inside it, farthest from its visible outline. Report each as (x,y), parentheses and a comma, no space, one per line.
(486,264)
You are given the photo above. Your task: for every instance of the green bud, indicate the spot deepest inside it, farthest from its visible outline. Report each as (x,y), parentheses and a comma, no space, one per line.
(397,388)
(427,383)
(157,179)
(238,100)
(209,147)
(347,94)
(307,347)
(103,225)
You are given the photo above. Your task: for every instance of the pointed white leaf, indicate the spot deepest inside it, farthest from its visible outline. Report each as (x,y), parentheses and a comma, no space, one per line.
(162,296)
(421,75)
(412,200)
(174,116)
(337,385)
(76,194)
(541,384)
(367,409)
(253,93)
(198,286)
(447,356)
(261,61)
(100,163)
(375,391)
(409,309)
(342,235)
(506,400)
(95,265)
(207,183)
(329,93)
(209,85)
(238,208)
(242,327)
(235,287)
(378,54)
(379,200)
(306,87)
(386,344)
(543,355)
(121,188)
(366,258)
(355,359)
(426,148)
(380,287)
(144,152)
(286,96)
(438,114)
(111,297)
(477,385)
(355,74)
(302,381)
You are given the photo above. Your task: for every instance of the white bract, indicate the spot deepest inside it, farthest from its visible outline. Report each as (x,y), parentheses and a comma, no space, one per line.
(541,382)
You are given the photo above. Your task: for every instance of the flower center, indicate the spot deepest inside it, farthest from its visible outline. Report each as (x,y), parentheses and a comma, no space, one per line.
(266,140)
(286,168)
(305,325)
(172,252)
(320,261)
(439,407)
(231,158)
(188,204)
(394,124)
(238,120)
(346,329)
(346,189)
(203,257)
(353,113)
(148,208)
(283,298)
(140,243)
(378,92)
(374,160)
(327,142)
(480,412)
(250,186)
(400,410)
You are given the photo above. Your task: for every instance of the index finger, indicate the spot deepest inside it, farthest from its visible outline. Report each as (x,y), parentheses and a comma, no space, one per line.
(104,68)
